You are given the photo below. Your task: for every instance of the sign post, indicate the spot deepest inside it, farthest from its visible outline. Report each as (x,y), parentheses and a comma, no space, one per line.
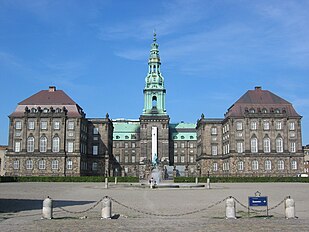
(258,201)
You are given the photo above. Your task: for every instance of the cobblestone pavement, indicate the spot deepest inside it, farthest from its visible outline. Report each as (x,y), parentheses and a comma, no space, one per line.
(21,206)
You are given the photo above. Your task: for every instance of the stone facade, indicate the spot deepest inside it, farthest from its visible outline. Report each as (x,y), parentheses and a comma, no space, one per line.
(49,135)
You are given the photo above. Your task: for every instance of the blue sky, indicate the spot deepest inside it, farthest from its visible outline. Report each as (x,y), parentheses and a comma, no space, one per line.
(212,52)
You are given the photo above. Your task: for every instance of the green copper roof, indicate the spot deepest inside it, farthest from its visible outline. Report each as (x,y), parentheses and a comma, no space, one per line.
(184,136)
(183,125)
(126,130)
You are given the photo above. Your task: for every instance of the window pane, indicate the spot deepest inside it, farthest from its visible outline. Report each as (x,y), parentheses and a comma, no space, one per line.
(30,144)
(70,146)
(56,144)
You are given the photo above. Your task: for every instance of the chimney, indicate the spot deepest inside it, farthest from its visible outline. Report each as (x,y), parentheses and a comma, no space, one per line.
(52,89)
(258,87)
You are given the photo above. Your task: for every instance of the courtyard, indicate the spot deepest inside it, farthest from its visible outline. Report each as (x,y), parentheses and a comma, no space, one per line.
(139,208)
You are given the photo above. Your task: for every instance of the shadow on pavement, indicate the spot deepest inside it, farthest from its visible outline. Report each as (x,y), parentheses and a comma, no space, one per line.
(17,205)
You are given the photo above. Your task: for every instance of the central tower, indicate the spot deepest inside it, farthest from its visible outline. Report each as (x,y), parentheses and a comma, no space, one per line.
(154,121)
(154,91)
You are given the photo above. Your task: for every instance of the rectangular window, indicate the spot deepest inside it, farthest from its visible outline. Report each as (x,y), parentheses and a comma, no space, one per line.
(17,146)
(43,125)
(175,159)
(255,165)
(31,125)
(94,166)
(69,164)
(293,147)
(214,150)
(56,125)
(95,130)
(71,125)
(70,146)
(240,147)
(294,165)
(16,164)
(239,126)
(18,125)
(266,125)
(133,159)
(292,126)
(215,167)
(253,125)
(280,165)
(182,159)
(267,165)
(240,165)
(95,150)
(175,145)
(182,145)
(191,145)
(117,157)
(126,145)
(126,159)
(214,130)
(133,145)
(278,125)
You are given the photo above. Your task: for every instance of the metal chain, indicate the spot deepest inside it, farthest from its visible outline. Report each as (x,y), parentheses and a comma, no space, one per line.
(83,211)
(168,215)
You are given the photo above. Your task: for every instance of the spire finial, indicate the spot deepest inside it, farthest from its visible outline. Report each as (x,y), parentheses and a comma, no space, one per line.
(154,35)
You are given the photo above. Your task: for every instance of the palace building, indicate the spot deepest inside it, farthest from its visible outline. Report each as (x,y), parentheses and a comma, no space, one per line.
(50,135)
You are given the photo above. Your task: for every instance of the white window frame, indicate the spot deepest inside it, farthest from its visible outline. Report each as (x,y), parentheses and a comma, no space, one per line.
(266,125)
(95,149)
(56,125)
(95,130)
(239,126)
(293,147)
(70,147)
(278,125)
(30,144)
(56,144)
(214,131)
(71,125)
(240,147)
(253,125)
(240,165)
(31,124)
(42,164)
(255,165)
(69,164)
(43,125)
(16,164)
(182,159)
(254,145)
(55,165)
(18,125)
(291,125)
(294,165)
(43,144)
(266,145)
(214,150)
(280,165)
(175,158)
(29,164)
(17,146)
(279,145)
(215,167)
(267,165)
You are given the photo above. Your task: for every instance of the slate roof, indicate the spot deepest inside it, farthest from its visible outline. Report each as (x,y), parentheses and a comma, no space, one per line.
(49,98)
(260,100)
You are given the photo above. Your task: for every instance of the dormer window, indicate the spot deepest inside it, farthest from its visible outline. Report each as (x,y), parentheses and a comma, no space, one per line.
(252,111)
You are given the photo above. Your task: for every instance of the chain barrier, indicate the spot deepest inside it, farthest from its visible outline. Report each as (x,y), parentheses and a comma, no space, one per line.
(82,211)
(172,215)
(167,215)
(260,210)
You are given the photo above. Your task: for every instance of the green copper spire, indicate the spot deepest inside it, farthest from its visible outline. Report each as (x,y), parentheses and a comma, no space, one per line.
(154,91)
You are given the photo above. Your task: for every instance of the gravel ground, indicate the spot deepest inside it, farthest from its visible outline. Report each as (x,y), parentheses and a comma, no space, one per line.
(144,209)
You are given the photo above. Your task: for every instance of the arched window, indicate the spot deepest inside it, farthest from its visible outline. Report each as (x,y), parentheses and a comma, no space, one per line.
(255,165)
(266,145)
(240,165)
(267,165)
(56,144)
(30,144)
(294,164)
(42,164)
(154,101)
(29,164)
(280,165)
(43,144)
(279,145)
(55,164)
(254,145)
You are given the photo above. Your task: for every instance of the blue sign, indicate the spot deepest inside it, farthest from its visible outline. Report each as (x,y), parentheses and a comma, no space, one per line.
(258,201)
